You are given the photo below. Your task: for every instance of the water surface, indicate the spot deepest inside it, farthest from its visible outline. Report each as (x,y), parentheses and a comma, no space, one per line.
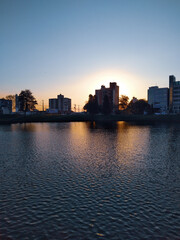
(89,181)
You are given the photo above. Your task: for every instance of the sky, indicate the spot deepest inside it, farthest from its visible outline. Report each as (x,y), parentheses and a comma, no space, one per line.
(73,47)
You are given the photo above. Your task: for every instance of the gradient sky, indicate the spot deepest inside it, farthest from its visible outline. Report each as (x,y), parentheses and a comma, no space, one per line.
(72,47)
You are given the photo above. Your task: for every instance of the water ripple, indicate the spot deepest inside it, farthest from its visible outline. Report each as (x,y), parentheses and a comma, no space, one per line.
(72,181)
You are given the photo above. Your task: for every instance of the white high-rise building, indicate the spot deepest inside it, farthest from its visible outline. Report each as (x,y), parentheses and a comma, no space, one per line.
(60,104)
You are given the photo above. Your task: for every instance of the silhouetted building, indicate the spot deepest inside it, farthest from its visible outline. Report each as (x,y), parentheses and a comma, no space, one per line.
(174,95)
(158,98)
(53,103)
(67,105)
(113,95)
(60,104)
(17,103)
(5,106)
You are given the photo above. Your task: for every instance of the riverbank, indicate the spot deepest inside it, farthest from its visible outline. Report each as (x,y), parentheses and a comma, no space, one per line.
(12,119)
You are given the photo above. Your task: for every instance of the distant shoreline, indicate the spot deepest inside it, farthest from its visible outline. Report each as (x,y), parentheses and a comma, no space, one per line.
(144,119)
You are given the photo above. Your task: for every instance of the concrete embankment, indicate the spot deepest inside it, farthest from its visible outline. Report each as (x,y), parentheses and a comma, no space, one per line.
(10,119)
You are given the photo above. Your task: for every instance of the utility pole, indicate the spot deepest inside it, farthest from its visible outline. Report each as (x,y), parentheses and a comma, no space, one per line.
(43,105)
(75,107)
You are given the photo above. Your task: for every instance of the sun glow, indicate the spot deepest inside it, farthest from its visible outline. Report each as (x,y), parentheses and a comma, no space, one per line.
(104,78)
(129,84)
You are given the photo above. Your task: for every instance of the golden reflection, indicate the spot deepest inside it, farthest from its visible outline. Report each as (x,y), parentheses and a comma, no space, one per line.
(104,145)
(78,130)
(79,139)
(133,140)
(26,127)
(120,141)
(89,141)
(94,124)
(30,127)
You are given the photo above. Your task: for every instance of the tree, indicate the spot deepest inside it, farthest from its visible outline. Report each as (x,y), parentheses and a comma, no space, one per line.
(123,102)
(95,105)
(106,109)
(27,101)
(131,104)
(13,99)
(139,106)
(92,105)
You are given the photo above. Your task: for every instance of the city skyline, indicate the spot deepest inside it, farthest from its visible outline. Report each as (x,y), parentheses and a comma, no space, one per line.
(74,47)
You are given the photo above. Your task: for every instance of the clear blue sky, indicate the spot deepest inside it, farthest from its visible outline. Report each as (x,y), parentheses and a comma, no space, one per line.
(74,46)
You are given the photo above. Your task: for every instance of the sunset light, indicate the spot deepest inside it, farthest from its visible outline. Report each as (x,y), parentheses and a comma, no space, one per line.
(89,119)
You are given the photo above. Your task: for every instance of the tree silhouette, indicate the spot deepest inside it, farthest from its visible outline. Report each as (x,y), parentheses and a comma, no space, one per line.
(123,102)
(13,99)
(92,105)
(139,106)
(27,101)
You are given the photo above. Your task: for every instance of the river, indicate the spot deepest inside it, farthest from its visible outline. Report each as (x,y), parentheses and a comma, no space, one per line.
(89,181)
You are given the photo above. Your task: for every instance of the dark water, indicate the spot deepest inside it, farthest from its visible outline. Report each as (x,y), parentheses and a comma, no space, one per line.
(83,181)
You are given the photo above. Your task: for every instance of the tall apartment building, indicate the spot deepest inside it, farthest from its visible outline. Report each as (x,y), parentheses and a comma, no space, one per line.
(53,104)
(67,105)
(112,92)
(60,104)
(158,98)
(174,95)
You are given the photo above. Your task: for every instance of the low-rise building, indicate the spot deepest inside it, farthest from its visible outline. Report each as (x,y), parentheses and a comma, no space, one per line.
(5,106)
